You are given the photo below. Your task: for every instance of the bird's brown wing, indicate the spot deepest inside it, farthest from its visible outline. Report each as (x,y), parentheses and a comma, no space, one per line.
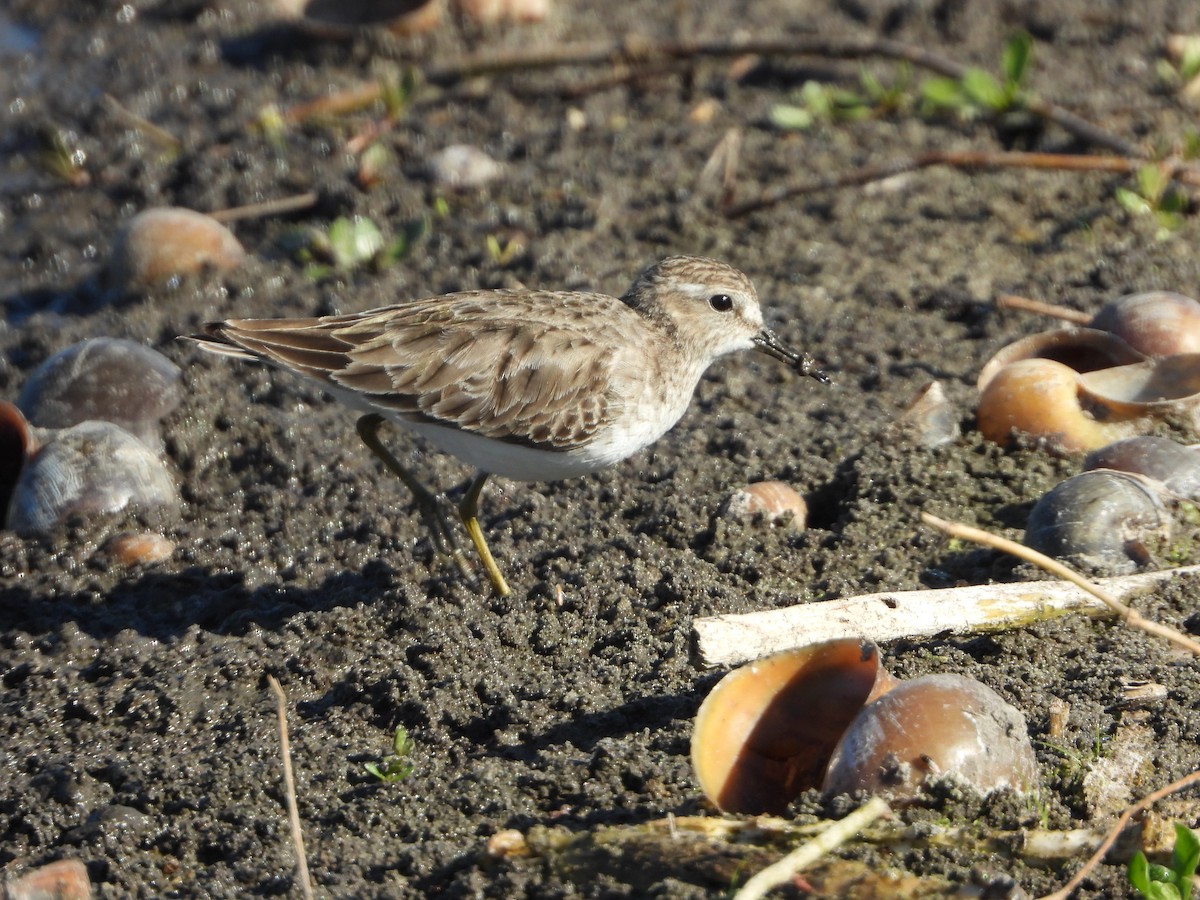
(533,369)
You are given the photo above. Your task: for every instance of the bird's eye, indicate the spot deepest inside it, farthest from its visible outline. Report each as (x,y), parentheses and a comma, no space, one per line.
(721,302)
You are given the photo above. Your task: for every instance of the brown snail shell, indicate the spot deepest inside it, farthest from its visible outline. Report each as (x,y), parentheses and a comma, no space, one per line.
(928,727)
(1177,467)
(764,733)
(104,378)
(1079,349)
(90,468)
(1100,518)
(1155,387)
(1045,399)
(157,245)
(341,18)
(1157,323)
(773,502)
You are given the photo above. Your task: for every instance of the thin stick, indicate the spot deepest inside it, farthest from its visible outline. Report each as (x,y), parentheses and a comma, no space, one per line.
(965,159)
(781,872)
(290,787)
(155,133)
(1105,845)
(267,208)
(338,104)
(1130,616)
(728,640)
(1041,308)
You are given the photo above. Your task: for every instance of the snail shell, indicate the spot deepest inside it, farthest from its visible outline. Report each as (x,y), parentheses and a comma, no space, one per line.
(929,727)
(341,18)
(1157,323)
(1079,349)
(157,245)
(1159,458)
(104,378)
(89,468)
(764,733)
(1100,518)
(1044,398)
(774,502)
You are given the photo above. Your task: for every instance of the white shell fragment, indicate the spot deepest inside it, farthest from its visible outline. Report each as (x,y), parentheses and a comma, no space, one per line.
(462,166)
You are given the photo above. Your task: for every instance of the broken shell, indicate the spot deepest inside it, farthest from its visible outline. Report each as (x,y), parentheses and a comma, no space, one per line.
(930,419)
(490,12)
(764,733)
(341,18)
(1154,387)
(16,442)
(462,166)
(90,468)
(774,502)
(1100,518)
(929,727)
(1159,458)
(1044,398)
(1079,349)
(66,879)
(157,245)
(104,378)
(1156,323)
(140,549)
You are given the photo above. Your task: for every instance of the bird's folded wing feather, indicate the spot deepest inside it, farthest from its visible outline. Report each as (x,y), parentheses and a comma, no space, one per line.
(514,377)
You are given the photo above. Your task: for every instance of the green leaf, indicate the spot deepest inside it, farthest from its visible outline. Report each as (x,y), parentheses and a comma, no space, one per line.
(402,742)
(1189,66)
(1015,61)
(985,90)
(790,118)
(1184,858)
(1152,182)
(354,241)
(818,99)
(1133,203)
(943,92)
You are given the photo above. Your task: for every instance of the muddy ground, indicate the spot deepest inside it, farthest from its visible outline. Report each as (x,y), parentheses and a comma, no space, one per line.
(139,734)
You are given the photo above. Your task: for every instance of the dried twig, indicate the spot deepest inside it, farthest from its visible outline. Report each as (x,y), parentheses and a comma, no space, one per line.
(781,872)
(1129,616)
(886,616)
(289,782)
(1042,308)
(1185,173)
(267,208)
(1142,805)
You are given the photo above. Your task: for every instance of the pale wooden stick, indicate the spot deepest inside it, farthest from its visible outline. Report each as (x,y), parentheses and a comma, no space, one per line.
(781,872)
(1145,803)
(289,783)
(734,639)
(279,207)
(1042,308)
(1130,616)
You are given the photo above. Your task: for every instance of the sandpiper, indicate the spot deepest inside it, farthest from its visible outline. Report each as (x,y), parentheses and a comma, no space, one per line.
(532,385)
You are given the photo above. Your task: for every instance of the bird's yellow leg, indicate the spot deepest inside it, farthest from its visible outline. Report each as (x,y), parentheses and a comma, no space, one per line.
(444,537)
(469,510)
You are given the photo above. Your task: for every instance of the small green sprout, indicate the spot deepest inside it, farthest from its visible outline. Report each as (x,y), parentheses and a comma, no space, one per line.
(397,90)
(504,253)
(1157,882)
(824,103)
(979,93)
(396,766)
(59,155)
(350,243)
(1156,196)
(1183,67)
